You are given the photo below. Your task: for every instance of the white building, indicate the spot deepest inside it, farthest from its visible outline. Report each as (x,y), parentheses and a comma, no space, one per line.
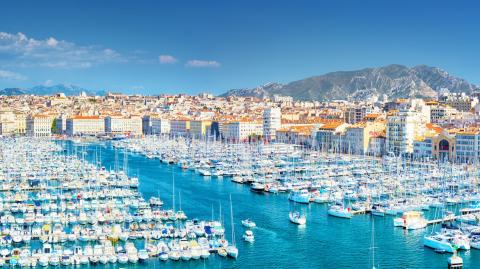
(39,126)
(241,130)
(123,125)
(160,126)
(401,130)
(272,121)
(282,99)
(405,125)
(85,125)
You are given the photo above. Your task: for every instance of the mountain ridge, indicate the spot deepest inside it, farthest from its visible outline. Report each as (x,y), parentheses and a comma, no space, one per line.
(394,81)
(67,89)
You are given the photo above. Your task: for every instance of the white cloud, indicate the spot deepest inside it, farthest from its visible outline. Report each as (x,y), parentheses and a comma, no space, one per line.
(20,50)
(48,83)
(202,63)
(9,75)
(167,59)
(52,42)
(138,88)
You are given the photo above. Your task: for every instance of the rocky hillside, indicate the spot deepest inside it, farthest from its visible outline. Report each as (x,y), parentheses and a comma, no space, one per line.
(395,81)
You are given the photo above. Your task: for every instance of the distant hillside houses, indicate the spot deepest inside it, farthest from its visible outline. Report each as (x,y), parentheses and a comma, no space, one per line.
(444,128)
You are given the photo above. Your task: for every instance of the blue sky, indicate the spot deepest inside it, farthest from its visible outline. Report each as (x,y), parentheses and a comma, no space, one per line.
(156,47)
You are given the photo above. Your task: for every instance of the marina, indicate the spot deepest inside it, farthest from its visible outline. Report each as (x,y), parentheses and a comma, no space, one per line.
(58,209)
(131,220)
(437,217)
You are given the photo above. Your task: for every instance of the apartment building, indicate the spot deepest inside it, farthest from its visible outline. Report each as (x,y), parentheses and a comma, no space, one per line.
(272,121)
(356,114)
(459,101)
(467,144)
(7,128)
(160,126)
(180,127)
(242,130)
(123,125)
(85,125)
(39,125)
(200,128)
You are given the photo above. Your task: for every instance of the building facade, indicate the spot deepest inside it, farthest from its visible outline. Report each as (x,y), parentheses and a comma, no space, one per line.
(467,145)
(39,126)
(242,130)
(356,114)
(160,126)
(199,128)
(272,121)
(180,127)
(402,128)
(123,125)
(85,125)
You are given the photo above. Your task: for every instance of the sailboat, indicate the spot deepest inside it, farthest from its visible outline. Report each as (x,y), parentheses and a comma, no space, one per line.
(297,218)
(373,244)
(232,250)
(173,216)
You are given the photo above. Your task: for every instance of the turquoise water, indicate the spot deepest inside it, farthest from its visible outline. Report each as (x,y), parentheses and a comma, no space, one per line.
(325,242)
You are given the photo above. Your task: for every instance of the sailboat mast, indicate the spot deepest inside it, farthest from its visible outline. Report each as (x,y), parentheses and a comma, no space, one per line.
(231,220)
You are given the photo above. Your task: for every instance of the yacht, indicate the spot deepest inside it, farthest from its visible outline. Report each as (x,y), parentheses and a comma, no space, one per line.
(142,255)
(339,210)
(248,236)
(232,251)
(257,187)
(411,220)
(301,196)
(248,223)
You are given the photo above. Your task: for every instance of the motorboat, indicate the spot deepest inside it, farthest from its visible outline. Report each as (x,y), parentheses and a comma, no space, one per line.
(248,223)
(300,196)
(257,187)
(248,236)
(232,251)
(340,211)
(411,220)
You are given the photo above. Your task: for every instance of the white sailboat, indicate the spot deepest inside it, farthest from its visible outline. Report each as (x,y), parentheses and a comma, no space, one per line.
(232,250)
(297,218)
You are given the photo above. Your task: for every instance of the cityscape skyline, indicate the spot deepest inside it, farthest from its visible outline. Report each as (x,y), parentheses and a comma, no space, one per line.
(143,49)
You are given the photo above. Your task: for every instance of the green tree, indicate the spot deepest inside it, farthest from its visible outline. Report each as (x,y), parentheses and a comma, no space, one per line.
(54,126)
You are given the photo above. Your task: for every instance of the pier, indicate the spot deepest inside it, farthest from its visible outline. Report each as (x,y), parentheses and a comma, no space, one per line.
(436,221)
(360,212)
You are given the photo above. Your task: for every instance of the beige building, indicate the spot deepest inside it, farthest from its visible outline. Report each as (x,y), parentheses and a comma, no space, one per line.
(21,123)
(358,137)
(300,134)
(39,125)
(436,143)
(7,128)
(123,125)
(85,125)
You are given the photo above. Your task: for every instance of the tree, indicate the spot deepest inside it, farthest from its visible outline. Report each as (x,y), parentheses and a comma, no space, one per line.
(54,126)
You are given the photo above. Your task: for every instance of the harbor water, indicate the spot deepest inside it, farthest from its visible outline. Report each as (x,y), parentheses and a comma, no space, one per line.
(324,242)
